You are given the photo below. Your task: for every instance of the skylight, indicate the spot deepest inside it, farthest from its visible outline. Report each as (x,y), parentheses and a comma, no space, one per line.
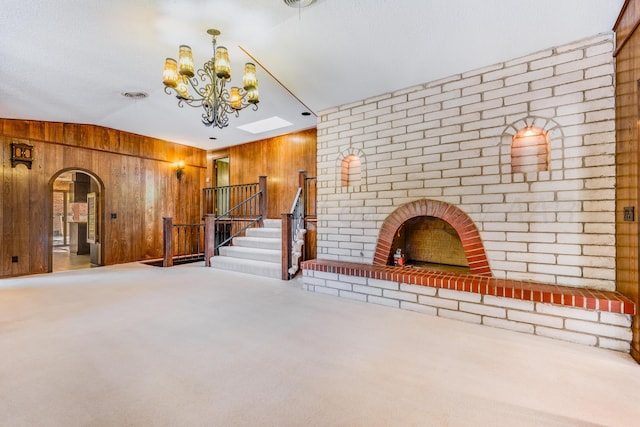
(265,125)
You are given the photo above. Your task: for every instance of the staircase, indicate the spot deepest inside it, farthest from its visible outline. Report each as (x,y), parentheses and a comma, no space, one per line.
(259,252)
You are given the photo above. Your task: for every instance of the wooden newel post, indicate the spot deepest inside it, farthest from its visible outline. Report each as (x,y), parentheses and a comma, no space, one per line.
(287,221)
(262,200)
(302,175)
(209,238)
(167,242)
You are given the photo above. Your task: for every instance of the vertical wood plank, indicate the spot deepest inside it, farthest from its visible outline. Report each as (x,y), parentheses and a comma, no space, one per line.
(627,159)
(139,188)
(280,159)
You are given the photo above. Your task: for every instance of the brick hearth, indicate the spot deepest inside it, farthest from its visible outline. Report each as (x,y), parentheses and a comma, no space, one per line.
(586,316)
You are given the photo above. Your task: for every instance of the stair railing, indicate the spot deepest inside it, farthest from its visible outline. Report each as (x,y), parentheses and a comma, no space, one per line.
(182,242)
(293,232)
(297,243)
(225,199)
(249,208)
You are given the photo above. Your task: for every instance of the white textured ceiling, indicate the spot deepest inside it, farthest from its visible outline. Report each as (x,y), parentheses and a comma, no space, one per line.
(69,60)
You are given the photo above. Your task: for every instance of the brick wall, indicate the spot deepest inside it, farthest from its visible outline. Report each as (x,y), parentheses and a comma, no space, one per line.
(450,141)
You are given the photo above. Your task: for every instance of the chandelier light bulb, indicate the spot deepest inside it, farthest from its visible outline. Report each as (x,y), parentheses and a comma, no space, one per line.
(170,73)
(222,66)
(185,61)
(249,79)
(235,98)
(183,88)
(252,95)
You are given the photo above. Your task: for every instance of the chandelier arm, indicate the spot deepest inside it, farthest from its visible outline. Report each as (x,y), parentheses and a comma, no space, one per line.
(193,83)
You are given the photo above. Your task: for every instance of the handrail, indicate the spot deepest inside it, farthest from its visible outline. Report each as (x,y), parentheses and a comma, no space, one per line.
(243,204)
(218,199)
(195,242)
(235,219)
(248,210)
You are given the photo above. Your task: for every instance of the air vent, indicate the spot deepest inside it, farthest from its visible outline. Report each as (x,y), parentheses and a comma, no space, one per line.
(298,3)
(134,95)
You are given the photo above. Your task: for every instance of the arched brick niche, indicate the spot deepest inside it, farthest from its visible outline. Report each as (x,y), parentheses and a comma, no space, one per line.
(464,226)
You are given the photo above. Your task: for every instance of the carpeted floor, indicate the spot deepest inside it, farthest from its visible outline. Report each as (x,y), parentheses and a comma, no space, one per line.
(135,345)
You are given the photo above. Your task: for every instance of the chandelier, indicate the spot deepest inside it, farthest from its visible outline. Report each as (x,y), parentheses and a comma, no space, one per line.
(206,87)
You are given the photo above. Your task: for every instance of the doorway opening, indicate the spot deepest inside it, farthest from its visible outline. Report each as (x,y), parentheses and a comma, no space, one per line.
(222,180)
(76,221)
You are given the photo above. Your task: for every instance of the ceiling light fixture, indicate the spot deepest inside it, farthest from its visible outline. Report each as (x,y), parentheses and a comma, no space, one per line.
(212,95)
(298,3)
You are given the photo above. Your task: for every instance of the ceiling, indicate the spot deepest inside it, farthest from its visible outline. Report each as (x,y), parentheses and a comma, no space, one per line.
(70,60)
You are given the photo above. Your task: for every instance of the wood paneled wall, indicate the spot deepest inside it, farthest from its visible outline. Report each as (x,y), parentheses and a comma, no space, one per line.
(278,158)
(139,187)
(627,166)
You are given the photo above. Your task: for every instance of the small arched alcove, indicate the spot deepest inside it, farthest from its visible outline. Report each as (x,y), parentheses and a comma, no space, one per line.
(351,171)
(75,220)
(351,168)
(530,150)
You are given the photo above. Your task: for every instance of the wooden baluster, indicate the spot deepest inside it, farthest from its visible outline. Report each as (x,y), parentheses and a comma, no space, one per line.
(287,221)
(167,242)
(262,204)
(209,238)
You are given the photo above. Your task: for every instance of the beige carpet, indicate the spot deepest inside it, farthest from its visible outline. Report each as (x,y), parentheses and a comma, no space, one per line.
(134,345)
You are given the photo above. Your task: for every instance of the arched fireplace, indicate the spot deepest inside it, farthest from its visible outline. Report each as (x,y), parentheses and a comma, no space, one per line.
(423,229)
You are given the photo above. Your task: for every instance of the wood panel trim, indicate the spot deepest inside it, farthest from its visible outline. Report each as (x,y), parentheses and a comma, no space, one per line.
(15,130)
(621,14)
(624,38)
(75,147)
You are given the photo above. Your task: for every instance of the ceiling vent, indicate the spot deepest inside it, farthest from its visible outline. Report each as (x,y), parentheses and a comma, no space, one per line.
(134,95)
(298,3)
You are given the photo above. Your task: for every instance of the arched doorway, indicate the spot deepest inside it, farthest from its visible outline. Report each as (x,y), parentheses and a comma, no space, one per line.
(76,220)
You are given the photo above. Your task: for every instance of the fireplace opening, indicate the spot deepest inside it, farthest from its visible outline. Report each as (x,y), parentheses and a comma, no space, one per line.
(431,243)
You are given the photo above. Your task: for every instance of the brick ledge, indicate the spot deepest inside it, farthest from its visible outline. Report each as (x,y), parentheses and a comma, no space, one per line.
(589,299)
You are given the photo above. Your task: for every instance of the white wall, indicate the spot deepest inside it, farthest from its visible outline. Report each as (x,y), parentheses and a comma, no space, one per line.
(449,140)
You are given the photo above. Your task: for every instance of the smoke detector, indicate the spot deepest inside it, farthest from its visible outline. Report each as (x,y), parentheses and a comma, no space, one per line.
(298,3)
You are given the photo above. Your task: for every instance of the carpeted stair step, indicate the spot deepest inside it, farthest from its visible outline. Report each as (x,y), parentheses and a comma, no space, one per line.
(258,242)
(245,252)
(269,233)
(240,265)
(258,252)
(272,223)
